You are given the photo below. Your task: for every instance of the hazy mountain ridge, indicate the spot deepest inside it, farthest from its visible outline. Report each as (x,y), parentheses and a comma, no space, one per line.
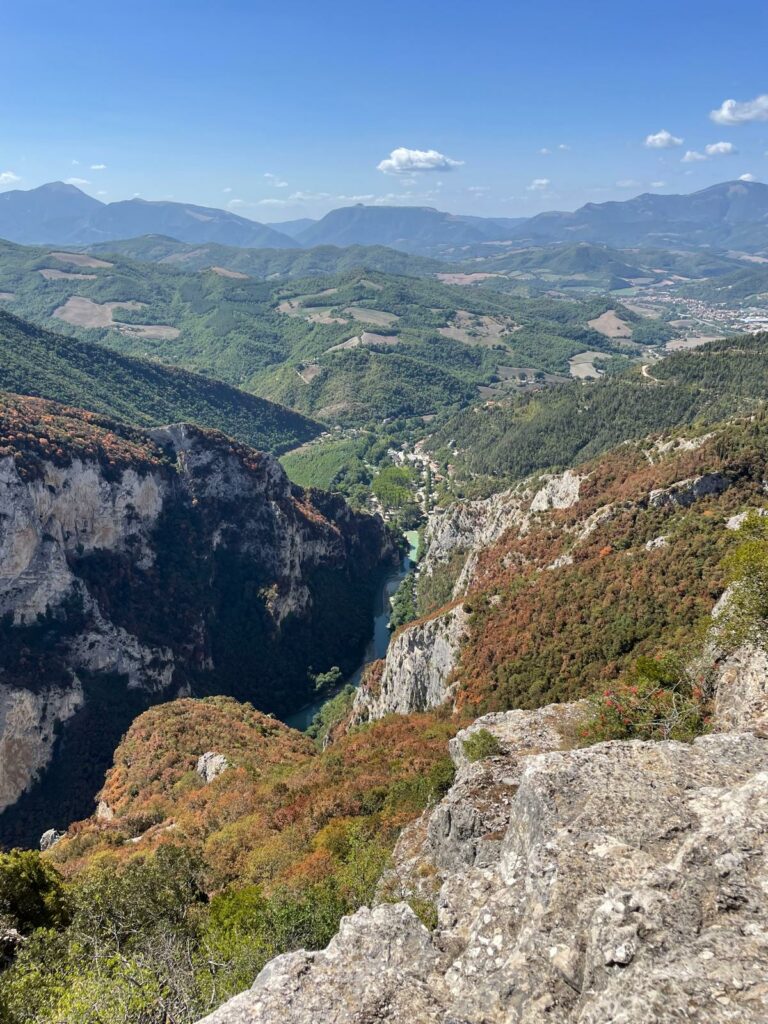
(62,214)
(733,214)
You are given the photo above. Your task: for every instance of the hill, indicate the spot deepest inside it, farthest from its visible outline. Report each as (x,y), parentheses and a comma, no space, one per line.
(62,214)
(269,263)
(731,215)
(577,421)
(347,347)
(37,362)
(569,259)
(418,229)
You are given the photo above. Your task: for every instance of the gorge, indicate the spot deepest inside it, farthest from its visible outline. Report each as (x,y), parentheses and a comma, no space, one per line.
(136,567)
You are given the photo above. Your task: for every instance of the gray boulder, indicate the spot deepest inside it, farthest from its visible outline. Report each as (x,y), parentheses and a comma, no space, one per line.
(50,838)
(210,765)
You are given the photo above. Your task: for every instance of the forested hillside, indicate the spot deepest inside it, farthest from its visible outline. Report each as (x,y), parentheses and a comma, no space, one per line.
(34,361)
(555,428)
(202,876)
(347,347)
(268,263)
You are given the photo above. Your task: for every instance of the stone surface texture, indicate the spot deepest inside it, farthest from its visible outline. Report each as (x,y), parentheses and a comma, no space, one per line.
(623,883)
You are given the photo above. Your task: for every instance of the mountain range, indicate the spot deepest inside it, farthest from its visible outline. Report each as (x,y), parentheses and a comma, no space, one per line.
(417,229)
(62,214)
(730,215)
(733,214)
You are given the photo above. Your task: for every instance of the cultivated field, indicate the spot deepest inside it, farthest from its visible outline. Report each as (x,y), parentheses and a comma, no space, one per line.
(64,275)
(610,325)
(79,259)
(371,316)
(477,330)
(82,312)
(583,367)
(223,272)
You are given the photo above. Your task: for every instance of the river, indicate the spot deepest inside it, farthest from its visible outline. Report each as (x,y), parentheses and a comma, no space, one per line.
(377,645)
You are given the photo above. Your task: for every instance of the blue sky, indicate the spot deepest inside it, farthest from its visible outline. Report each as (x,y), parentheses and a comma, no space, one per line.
(284,110)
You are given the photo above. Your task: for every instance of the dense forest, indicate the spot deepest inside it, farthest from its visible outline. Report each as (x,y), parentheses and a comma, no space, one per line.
(38,362)
(571,422)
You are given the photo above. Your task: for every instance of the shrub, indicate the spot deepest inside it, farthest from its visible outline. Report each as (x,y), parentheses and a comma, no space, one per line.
(481,744)
(658,700)
(744,617)
(425,910)
(31,892)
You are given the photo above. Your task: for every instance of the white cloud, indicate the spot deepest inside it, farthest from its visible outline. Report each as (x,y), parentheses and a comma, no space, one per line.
(539,184)
(658,184)
(308,197)
(233,203)
(98,167)
(101,192)
(478,190)
(545,151)
(276,181)
(226,190)
(411,161)
(733,112)
(662,140)
(720,149)
(564,146)
(747,177)
(8,178)
(628,183)
(76,181)
(356,199)
(273,202)
(692,156)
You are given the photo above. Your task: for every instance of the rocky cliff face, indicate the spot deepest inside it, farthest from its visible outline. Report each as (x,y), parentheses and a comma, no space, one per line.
(625,882)
(416,672)
(135,567)
(626,524)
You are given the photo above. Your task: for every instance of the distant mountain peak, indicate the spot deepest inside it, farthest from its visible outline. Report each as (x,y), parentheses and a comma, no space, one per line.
(59,213)
(60,187)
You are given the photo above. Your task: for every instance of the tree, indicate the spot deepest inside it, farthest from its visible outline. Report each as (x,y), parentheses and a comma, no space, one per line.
(31,892)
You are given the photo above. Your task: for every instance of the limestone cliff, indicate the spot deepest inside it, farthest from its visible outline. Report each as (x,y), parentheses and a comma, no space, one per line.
(135,567)
(416,672)
(625,882)
(504,570)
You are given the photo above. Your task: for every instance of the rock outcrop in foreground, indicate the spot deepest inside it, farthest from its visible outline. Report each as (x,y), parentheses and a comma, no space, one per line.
(625,882)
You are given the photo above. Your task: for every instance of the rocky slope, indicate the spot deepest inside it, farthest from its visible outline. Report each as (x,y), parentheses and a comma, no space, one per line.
(634,538)
(624,882)
(136,567)
(417,672)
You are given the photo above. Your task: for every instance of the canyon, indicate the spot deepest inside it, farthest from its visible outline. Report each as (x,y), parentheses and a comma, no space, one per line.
(138,567)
